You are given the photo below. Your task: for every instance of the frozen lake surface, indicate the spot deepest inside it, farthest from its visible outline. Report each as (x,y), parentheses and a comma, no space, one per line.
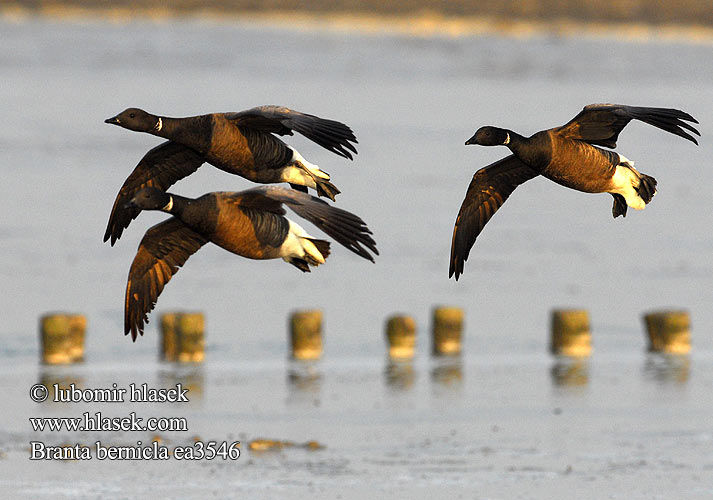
(505,420)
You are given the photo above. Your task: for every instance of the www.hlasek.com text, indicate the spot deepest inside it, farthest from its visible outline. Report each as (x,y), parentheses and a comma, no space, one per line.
(98,422)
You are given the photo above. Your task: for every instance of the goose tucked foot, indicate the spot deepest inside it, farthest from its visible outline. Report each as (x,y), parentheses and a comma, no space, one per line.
(619,207)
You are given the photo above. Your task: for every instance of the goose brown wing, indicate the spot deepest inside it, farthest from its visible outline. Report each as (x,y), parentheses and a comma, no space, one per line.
(164,248)
(331,135)
(488,190)
(600,124)
(346,228)
(266,215)
(162,166)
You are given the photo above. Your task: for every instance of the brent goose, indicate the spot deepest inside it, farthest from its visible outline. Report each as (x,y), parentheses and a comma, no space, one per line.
(248,223)
(240,143)
(567,155)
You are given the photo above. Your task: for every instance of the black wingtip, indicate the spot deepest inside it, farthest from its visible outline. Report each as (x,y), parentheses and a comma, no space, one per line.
(670,120)
(133,329)
(110,237)
(454,272)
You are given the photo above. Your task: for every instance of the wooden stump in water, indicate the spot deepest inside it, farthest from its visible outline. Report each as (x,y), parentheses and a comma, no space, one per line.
(570,333)
(306,334)
(669,331)
(447,330)
(62,338)
(401,335)
(183,337)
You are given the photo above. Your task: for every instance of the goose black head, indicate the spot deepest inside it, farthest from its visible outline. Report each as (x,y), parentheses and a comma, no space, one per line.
(151,199)
(490,136)
(136,119)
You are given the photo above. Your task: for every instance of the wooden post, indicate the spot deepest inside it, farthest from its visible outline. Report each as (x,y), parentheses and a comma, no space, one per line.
(183,337)
(306,334)
(62,338)
(570,333)
(669,331)
(401,335)
(168,336)
(447,331)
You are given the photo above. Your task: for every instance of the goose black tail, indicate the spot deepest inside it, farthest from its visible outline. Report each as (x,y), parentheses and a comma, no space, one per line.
(322,246)
(647,188)
(322,185)
(303,264)
(326,188)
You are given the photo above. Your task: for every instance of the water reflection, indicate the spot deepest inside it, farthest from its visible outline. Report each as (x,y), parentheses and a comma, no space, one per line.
(447,371)
(63,377)
(305,380)
(190,376)
(570,372)
(667,368)
(399,374)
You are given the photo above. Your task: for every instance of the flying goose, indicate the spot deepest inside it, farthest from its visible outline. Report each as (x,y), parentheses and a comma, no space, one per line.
(568,155)
(249,223)
(239,143)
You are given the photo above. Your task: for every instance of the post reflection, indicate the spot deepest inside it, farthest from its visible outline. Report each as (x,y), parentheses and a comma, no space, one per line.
(570,372)
(304,379)
(399,374)
(61,378)
(667,368)
(447,371)
(190,376)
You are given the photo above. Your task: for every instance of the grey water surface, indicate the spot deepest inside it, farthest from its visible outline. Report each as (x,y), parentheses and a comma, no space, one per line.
(505,420)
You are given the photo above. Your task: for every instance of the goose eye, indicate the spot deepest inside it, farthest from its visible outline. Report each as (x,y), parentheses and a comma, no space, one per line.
(132,115)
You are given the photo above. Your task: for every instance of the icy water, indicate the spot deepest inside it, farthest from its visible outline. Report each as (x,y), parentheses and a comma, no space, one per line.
(505,420)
